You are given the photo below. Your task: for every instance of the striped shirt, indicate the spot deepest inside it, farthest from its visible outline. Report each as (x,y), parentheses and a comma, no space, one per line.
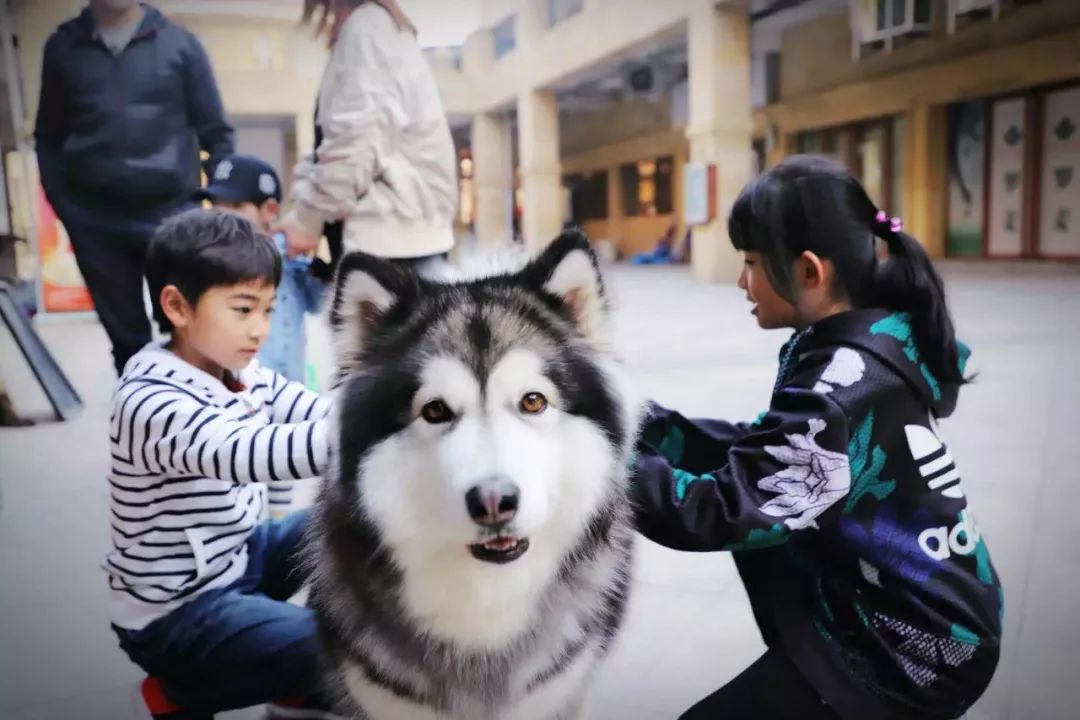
(194,467)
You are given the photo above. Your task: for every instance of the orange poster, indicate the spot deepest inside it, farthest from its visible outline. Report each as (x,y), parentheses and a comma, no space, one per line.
(62,286)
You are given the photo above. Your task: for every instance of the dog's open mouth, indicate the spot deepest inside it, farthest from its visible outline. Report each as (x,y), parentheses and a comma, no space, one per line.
(501,549)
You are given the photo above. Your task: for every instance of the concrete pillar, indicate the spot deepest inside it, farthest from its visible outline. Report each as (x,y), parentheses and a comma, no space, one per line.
(926,177)
(477,53)
(492,178)
(783,145)
(539,166)
(530,22)
(721,126)
(615,209)
(678,190)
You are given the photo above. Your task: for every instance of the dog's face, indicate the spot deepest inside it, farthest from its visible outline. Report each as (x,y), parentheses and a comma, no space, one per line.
(479,420)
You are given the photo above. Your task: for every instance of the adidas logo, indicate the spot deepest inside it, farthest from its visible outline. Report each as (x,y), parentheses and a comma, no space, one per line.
(934,460)
(940,543)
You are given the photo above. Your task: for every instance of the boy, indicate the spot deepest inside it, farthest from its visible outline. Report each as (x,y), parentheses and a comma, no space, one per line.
(250,187)
(199,429)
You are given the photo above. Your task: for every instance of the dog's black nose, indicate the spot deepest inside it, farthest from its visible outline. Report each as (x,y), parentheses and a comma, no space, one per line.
(492,502)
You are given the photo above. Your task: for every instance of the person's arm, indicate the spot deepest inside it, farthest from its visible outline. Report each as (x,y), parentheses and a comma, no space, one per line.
(695,490)
(205,112)
(51,127)
(361,123)
(292,402)
(182,436)
(690,442)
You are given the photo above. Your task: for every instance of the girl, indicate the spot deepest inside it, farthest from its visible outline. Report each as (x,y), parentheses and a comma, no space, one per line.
(385,164)
(865,570)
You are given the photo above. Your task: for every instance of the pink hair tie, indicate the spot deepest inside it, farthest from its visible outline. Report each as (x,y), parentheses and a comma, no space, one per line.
(895,224)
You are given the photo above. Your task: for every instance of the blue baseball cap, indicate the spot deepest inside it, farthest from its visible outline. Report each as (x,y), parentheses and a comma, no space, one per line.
(242,178)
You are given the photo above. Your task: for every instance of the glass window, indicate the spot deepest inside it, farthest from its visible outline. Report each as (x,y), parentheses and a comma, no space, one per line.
(559,10)
(588,195)
(647,187)
(922,11)
(882,14)
(505,36)
(899,12)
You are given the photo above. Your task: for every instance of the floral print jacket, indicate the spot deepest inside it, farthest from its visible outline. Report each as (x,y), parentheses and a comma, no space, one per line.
(847,518)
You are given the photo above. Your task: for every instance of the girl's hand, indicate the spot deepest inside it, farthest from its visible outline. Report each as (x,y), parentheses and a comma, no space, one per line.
(297,240)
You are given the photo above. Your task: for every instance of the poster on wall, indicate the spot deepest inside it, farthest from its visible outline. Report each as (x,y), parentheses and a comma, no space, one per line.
(1007,183)
(1059,219)
(62,286)
(967,168)
(699,181)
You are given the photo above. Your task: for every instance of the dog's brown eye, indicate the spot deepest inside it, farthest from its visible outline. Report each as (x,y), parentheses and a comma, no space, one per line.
(436,412)
(534,403)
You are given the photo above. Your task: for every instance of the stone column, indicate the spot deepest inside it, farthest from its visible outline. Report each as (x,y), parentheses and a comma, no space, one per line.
(783,145)
(721,126)
(615,209)
(492,178)
(541,178)
(926,176)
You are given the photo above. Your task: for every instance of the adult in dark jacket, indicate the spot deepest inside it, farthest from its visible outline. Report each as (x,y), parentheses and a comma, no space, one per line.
(128,98)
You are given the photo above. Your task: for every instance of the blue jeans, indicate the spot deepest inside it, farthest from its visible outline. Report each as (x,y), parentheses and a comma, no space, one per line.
(240,645)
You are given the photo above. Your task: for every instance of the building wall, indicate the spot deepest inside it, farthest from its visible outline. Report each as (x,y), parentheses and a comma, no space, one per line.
(624,120)
(544,57)
(633,234)
(494,11)
(454,88)
(817,54)
(822,86)
(263,66)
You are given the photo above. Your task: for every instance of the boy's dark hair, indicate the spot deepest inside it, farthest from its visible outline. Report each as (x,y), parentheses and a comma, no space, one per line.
(201,249)
(812,203)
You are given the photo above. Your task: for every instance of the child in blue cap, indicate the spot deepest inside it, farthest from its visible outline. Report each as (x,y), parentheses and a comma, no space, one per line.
(249,186)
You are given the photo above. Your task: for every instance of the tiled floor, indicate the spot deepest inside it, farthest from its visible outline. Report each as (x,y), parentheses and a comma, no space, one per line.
(689,627)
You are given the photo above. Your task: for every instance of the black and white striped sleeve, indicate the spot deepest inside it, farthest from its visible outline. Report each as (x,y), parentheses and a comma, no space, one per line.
(195,438)
(291,402)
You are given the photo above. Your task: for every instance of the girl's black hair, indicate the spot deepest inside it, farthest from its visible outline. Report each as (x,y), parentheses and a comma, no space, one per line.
(201,249)
(813,203)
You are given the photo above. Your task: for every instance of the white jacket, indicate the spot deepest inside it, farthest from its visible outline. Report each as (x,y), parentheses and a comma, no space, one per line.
(386,165)
(193,466)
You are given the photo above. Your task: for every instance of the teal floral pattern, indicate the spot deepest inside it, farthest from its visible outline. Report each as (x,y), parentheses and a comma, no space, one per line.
(866,465)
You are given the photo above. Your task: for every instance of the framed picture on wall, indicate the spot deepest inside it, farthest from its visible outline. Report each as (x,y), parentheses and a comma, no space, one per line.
(699,181)
(967,177)
(1059,189)
(1008,145)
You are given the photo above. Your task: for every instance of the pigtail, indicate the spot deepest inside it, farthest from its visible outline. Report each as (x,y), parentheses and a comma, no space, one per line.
(906,281)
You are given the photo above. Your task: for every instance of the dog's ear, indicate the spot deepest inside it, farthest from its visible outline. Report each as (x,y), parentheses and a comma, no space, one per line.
(568,269)
(366,289)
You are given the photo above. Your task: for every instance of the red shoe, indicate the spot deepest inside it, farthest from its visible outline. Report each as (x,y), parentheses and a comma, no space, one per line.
(161,708)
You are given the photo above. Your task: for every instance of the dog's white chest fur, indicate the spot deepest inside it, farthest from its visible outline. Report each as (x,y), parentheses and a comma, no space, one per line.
(563,698)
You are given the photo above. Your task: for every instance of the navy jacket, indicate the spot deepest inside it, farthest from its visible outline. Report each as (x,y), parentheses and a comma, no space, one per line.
(120,135)
(847,518)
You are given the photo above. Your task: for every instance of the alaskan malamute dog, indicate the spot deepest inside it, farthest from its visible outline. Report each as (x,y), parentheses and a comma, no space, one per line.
(471,547)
